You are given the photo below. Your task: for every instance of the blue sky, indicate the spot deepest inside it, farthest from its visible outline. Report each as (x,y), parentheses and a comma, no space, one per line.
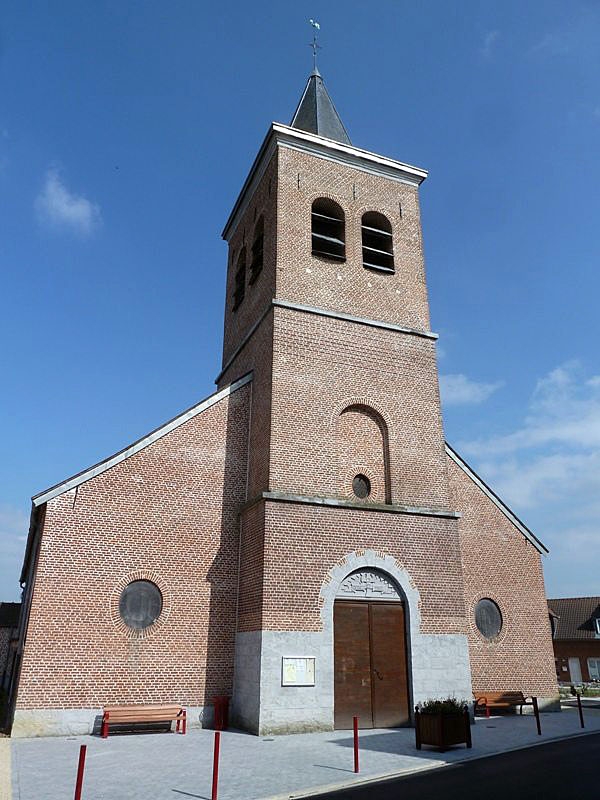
(126,130)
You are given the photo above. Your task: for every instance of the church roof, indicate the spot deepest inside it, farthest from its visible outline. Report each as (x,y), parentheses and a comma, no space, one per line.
(316,112)
(500,504)
(158,433)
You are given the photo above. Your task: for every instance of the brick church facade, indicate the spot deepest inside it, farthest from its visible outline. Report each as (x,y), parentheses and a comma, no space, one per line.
(304,540)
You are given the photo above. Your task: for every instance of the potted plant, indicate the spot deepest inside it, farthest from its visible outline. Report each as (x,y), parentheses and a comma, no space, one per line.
(442,723)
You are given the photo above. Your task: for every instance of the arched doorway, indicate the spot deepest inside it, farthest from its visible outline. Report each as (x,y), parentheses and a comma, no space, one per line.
(370,652)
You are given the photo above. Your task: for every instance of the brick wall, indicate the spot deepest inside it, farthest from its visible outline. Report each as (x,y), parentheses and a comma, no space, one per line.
(322,366)
(400,298)
(564,650)
(499,563)
(258,294)
(303,543)
(169,514)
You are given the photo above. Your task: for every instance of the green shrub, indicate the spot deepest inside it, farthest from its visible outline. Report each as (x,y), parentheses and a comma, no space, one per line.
(447,705)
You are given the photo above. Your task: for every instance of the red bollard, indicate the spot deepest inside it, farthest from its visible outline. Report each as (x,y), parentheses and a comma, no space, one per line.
(580,709)
(80,768)
(215,783)
(355,721)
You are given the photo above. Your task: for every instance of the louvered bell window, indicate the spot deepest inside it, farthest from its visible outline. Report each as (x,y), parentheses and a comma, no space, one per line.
(256,264)
(328,230)
(377,243)
(239,290)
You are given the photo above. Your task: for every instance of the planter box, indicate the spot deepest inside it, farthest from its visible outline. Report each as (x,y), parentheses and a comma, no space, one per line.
(442,730)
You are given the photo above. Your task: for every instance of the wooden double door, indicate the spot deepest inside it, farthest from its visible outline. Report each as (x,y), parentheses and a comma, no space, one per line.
(370,664)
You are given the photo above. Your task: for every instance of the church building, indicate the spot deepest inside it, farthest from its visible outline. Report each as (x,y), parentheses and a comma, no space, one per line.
(303,541)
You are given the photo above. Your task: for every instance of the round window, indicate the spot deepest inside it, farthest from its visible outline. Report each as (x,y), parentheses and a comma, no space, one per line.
(488,618)
(140,604)
(361,486)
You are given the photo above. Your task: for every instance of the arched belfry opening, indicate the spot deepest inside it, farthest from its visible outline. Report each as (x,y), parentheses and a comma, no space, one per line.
(371,674)
(363,454)
(328,229)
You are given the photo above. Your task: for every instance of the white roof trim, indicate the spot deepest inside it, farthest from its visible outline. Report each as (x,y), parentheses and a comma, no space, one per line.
(111,461)
(540,546)
(347,153)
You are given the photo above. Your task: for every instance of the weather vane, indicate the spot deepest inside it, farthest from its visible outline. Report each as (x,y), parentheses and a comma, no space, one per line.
(314,44)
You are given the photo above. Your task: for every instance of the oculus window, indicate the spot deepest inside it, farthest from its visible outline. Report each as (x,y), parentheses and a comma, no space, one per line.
(361,486)
(488,618)
(140,604)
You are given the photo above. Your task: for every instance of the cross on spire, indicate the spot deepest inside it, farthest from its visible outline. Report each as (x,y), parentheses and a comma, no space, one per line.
(315,46)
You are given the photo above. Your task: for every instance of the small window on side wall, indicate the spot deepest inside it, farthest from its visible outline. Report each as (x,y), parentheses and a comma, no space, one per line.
(328,230)
(377,243)
(256,264)
(239,290)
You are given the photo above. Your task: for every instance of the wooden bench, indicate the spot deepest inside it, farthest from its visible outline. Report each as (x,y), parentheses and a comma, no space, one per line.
(488,700)
(123,715)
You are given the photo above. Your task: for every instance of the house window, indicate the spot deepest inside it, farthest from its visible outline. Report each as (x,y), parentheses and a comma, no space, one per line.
(594,668)
(240,280)
(328,230)
(257,251)
(488,618)
(597,626)
(140,604)
(377,242)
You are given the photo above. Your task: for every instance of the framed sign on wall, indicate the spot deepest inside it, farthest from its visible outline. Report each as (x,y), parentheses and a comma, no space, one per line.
(297,671)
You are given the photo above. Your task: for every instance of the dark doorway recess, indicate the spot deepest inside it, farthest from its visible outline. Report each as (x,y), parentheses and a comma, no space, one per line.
(370,664)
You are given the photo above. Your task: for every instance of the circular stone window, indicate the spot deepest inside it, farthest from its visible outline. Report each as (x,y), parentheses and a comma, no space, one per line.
(488,618)
(361,486)
(140,604)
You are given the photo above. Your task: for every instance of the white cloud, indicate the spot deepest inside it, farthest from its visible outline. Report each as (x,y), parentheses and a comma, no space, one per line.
(554,456)
(533,480)
(549,466)
(57,207)
(489,42)
(564,410)
(554,44)
(460,390)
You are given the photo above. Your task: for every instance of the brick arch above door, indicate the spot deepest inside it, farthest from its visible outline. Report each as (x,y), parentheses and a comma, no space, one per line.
(370,559)
(369,584)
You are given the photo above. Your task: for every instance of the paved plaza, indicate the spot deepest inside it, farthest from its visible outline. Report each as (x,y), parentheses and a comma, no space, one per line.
(163,766)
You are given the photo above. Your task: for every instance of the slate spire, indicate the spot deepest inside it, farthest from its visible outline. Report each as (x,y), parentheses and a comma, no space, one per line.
(316,112)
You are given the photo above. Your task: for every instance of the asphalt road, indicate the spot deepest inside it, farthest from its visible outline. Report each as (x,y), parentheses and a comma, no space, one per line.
(566,770)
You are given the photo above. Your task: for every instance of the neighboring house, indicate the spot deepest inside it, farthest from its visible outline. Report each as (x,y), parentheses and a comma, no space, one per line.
(9,624)
(575,623)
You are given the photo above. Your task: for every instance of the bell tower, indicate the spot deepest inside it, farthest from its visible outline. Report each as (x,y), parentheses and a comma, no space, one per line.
(327,307)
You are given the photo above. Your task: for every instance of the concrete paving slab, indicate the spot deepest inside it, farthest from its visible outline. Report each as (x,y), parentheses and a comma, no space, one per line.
(165,766)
